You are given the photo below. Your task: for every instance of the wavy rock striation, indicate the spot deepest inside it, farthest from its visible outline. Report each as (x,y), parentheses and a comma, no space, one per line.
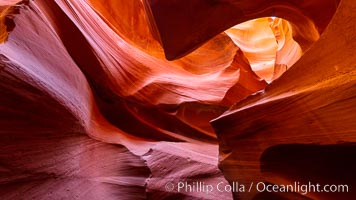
(91,109)
(302,126)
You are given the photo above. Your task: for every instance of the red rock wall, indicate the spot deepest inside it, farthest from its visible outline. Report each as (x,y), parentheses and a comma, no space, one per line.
(91,109)
(310,105)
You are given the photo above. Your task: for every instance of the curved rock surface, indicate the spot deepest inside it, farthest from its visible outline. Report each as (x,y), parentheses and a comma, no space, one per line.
(309,107)
(91,109)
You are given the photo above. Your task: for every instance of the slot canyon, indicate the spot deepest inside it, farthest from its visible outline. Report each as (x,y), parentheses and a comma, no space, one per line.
(177,99)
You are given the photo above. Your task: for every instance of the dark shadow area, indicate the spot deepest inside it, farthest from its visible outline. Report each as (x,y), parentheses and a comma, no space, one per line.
(322,164)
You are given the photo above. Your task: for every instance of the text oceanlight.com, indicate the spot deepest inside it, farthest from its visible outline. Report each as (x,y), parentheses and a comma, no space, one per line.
(297,187)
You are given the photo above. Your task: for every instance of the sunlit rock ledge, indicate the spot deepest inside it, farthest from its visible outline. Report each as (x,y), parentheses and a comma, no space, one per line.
(126,99)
